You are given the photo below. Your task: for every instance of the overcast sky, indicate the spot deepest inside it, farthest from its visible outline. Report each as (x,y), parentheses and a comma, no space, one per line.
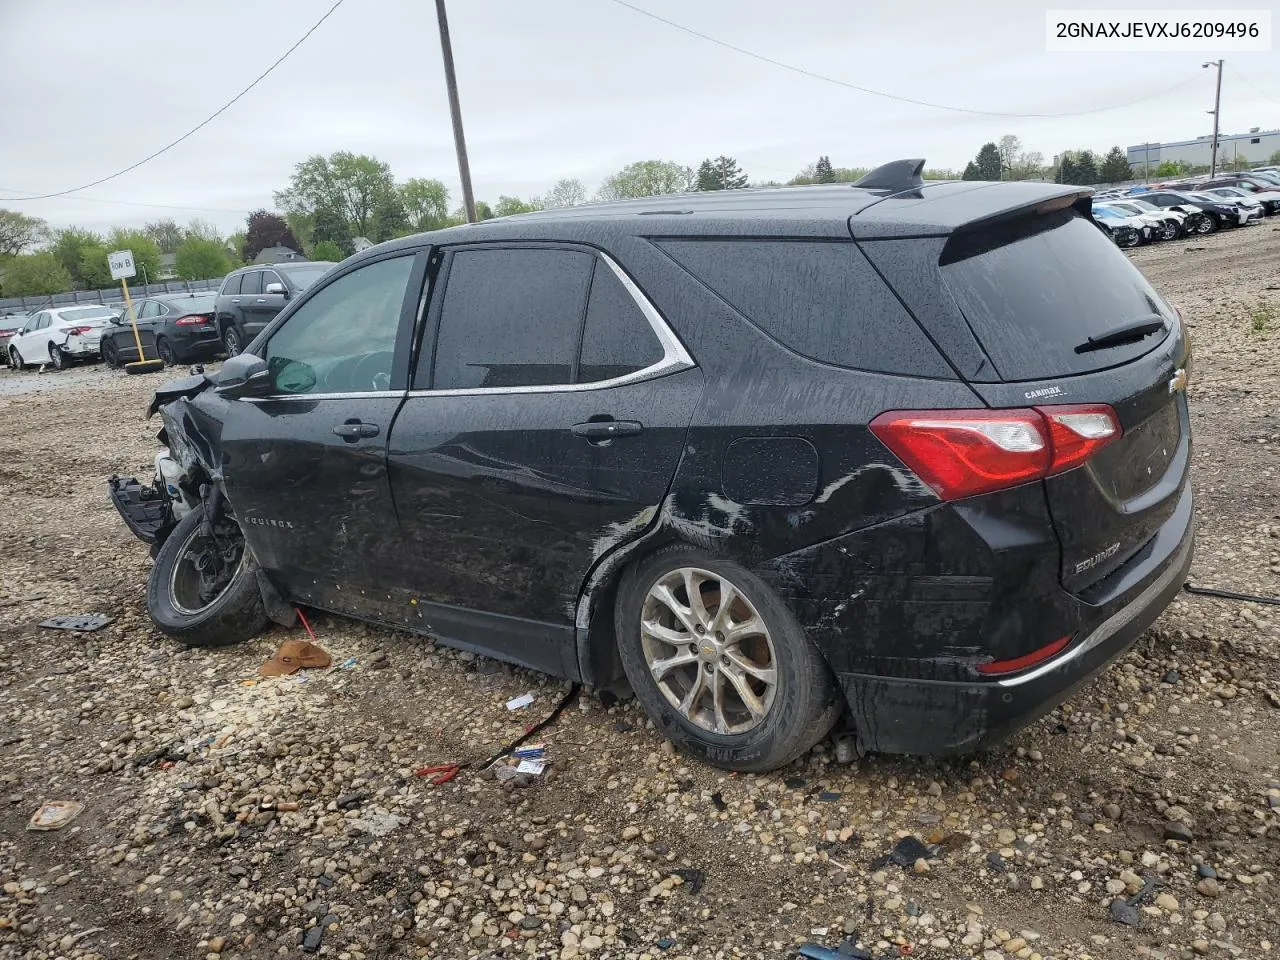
(550,89)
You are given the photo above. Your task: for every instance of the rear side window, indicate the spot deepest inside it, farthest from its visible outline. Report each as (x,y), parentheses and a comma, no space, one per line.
(822,300)
(1036,290)
(617,339)
(231,286)
(511,318)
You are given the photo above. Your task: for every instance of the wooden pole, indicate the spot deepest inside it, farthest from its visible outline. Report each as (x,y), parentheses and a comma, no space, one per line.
(133,320)
(455,111)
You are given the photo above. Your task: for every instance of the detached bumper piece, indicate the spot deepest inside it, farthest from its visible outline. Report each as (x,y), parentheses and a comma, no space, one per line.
(144,509)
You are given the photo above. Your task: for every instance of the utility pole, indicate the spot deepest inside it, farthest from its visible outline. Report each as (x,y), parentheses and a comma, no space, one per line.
(455,111)
(1217,108)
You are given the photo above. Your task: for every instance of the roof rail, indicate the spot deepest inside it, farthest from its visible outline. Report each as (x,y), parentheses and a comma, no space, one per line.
(894,176)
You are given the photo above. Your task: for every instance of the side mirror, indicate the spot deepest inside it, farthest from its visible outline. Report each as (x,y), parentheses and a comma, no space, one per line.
(244,375)
(277,288)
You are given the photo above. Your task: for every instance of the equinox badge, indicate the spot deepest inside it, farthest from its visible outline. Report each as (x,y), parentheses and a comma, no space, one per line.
(1178,382)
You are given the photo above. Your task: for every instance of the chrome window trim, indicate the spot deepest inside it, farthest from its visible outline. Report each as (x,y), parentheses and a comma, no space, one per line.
(674,355)
(356,395)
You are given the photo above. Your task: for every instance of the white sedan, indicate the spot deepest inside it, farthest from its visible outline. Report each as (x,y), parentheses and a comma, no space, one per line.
(60,335)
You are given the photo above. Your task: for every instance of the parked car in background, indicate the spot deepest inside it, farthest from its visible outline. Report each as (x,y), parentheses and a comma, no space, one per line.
(1188,222)
(1125,229)
(917,452)
(1247,210)
(11,323)
(1269,200)
(1218,212)
(177,328)
(250,297)
(1165,224)
(60,335)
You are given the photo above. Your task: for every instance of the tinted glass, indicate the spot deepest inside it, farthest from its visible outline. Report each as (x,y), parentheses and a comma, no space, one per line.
(231,286)
(251,282)
(148,310)
(343,339)
(198,304)
(304,275)
(85,313)
(1034,290)
(618,339)
(270,277)
(511,318)
(823,300)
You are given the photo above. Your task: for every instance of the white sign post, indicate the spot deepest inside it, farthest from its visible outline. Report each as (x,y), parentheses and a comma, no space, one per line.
(121,264)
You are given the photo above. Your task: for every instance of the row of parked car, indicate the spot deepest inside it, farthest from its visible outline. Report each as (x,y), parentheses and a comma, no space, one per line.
(1167,211)
(176,328)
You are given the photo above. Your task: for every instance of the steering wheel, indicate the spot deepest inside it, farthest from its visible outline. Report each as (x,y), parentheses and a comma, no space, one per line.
(374,369)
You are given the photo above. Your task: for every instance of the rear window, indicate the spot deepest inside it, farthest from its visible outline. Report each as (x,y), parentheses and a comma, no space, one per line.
(85,313)
(192,304)
(305,275)
(822,300)
(1035,290)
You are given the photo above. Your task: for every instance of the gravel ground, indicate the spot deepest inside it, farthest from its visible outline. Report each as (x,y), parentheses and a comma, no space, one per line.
(227,817)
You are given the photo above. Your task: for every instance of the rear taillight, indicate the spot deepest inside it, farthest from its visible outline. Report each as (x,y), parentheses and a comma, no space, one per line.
(76,331)
(8,333)
(996,667)
(961,453)
(194,320)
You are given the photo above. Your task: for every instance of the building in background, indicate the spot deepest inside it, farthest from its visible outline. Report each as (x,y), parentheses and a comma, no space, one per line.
(1255,147)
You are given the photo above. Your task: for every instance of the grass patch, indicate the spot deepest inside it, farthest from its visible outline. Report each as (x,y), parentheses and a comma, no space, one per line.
(1263,316)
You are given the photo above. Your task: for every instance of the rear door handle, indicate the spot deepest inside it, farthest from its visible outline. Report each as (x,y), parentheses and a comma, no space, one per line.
(353,430)
(262,299)
(603,430)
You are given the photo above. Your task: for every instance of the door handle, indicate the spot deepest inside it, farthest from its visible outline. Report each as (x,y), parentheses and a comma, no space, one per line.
(602,431)
(353,430)
(262,299)
(235,300)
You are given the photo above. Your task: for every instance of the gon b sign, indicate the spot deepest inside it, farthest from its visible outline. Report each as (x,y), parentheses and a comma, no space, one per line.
(121,264)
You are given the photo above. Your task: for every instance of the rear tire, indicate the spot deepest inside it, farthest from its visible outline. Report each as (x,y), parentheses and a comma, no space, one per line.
(1130,239)
(231,341)
(747,691)
(219,607)
(15,359)
(61,360)
(1169,230)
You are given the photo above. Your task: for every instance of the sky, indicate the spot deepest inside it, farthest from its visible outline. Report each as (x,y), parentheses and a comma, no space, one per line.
(552,89)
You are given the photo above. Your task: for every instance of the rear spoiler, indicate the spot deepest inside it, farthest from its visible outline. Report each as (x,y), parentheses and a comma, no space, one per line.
(947,207)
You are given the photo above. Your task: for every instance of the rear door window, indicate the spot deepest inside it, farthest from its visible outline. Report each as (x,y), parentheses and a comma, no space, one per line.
(1036,290)
(822,300)
(617,340)
(231,286)
(511,318)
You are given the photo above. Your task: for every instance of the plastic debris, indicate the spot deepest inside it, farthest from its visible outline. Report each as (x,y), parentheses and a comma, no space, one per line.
(906,852)
(694,878)
(348,663)
(503,771)
(443,772)
(664,943)
(533,752)
(1124,912)
(815,952)
(516,703)
(55,814)
(81,623)
(534,767)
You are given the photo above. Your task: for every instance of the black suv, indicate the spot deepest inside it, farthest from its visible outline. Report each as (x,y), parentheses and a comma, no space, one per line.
(250,297)
(913,453)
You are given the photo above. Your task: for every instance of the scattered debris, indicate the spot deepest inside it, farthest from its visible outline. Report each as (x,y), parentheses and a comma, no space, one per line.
(718,801)
(1124,912)
(534,767)
(906,852)
(55,814)
(292,656)
(664,943)
(1229,595)
(81,623)
(348,663)
(828,796)
(378,823)
(440,773)
(17,600)
(516,703)
(311,939)
(815,952)
(794,783)
(694,878)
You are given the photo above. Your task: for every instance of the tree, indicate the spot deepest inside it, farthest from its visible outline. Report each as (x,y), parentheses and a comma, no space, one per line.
(331,228)
(426,202)
(390,219)
(646,178)
(146,253)
(35,274)
(266,229)
(202,230)
(1275,158)
(566,193)
(1066,169)
(483,211)
(822,172)
(92,272)
(1028,165)
(18,231)
(722,173)
(1086,168)
(1115,167)
(508,206)
(235,247)
(69,247)
(166,234)
(197,259)
(327,250)
(352,185)
(988,165)
(939,174)
(971,172)
(1010,149)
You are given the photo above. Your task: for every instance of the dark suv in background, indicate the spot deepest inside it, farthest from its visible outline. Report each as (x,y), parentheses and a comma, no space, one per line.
(913,452)
(250,297)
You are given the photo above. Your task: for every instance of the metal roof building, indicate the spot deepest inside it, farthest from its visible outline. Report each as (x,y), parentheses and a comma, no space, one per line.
(1256,146)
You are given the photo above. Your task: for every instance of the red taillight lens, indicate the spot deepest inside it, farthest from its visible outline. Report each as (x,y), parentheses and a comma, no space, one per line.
(962,453)
(76,331)
(194,320)
(1021,663)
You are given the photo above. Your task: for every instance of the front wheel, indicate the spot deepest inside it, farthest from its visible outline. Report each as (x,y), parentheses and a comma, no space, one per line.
(1129,238)
(719,664)
(231,341)
(202,590)
(1207,225)
(1169,230)
(110,356)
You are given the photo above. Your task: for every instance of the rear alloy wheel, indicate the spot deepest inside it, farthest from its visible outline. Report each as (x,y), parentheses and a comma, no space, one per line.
(61,359)
(202,590)
(1207,224)
(720,664)
(231,342)
(165,350)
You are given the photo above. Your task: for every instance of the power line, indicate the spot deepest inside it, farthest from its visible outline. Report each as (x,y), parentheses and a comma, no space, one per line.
(1258,90)
(222,109)
(892,96)
(132,203)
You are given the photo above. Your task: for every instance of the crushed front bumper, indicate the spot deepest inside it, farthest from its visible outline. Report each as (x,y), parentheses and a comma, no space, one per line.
(145,510)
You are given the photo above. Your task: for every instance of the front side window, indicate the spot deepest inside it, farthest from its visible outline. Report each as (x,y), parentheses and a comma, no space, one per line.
(342,340)
(511,318)
(251,283)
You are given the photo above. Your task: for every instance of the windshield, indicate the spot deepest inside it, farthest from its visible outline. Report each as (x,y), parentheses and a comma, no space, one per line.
(304,275)
(1143,205)
(86,313)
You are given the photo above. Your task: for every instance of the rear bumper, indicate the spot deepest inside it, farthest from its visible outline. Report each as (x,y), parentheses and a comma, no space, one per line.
(931,717)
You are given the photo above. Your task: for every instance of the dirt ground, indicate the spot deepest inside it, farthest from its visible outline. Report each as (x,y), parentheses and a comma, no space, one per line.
(231,818)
